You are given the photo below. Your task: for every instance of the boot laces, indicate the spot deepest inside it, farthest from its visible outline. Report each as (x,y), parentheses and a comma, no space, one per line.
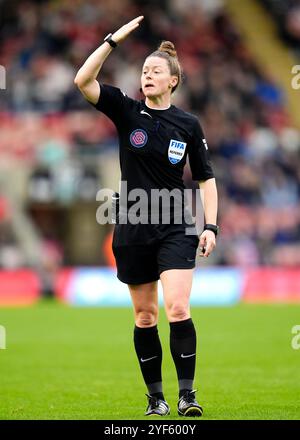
(189,396)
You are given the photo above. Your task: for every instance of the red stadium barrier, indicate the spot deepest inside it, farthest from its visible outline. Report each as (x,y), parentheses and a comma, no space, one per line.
(272,285)
(19,287)
(261,285)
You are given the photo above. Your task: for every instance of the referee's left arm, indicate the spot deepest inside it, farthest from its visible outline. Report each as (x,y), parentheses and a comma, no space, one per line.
(209,198)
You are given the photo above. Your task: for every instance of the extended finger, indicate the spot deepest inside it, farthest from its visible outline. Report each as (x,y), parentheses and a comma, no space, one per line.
(136,20)
(128,28)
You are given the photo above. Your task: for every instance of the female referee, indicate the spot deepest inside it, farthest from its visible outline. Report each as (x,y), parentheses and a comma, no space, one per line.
(155,137)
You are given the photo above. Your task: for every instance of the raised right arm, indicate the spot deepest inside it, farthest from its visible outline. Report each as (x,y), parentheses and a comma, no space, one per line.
(86,76)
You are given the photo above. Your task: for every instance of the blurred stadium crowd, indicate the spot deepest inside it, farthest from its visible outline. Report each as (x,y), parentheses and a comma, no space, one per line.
(57,143)
(287,17)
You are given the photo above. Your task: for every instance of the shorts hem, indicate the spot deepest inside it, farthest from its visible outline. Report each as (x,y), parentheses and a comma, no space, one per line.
(176,267)
(135,282)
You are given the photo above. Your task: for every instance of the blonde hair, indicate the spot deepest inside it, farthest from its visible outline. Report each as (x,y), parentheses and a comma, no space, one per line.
(167,51)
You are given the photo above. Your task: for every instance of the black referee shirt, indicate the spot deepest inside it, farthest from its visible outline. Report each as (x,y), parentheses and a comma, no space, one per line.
(154,144)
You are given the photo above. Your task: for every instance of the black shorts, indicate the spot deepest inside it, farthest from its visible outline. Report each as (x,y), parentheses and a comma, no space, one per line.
(143,263)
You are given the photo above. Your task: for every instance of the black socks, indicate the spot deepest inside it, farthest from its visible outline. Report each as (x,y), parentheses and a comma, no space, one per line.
(183,349)
(149,353)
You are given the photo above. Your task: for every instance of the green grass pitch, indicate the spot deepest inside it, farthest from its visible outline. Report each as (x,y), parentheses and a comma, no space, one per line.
(79,363)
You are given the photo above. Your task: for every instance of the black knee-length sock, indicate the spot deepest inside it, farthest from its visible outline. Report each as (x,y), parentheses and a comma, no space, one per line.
(149,353)
(183,348)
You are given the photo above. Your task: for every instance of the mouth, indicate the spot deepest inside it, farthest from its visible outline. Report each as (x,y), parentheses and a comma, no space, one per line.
(149,86)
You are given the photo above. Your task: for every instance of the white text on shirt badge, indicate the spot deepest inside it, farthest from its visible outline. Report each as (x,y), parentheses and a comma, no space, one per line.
(176,150)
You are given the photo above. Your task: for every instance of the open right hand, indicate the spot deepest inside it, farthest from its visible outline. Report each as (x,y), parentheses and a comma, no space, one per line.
(125,30)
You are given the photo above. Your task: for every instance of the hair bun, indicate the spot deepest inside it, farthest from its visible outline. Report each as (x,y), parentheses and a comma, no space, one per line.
(168,47)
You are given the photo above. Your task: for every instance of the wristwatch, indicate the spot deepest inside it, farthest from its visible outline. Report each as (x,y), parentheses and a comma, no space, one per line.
(110,41)
(214,228)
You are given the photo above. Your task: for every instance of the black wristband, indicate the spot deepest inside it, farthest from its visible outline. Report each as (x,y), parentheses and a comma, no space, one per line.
(214,228)
(110,41)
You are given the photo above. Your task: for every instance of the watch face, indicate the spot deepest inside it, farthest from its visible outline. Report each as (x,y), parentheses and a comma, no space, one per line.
(109,40)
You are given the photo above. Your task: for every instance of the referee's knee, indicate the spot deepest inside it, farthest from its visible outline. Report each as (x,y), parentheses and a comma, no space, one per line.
(146,319)
(178,312)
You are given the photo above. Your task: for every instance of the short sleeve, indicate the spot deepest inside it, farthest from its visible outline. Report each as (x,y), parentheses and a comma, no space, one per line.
(199,159)
(112,102)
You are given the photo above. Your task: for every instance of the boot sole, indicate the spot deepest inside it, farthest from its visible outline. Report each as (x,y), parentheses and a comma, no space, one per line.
(193,411)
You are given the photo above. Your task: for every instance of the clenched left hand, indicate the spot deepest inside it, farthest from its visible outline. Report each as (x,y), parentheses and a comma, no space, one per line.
(207,243)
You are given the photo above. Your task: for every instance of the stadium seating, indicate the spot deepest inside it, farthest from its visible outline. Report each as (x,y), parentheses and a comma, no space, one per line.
(46,125)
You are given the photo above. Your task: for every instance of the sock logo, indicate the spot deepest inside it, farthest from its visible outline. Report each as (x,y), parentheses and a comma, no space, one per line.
(187,355)
(149,359)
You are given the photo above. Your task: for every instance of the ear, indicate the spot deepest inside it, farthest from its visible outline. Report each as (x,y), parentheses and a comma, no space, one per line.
(174,81)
